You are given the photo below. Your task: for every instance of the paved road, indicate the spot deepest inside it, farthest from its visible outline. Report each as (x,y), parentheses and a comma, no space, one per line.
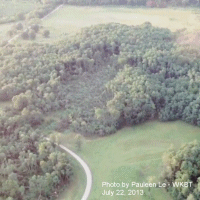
(86,169)
(87,172)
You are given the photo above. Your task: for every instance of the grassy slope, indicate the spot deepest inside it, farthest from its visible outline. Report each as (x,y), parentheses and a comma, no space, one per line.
(132,154)
(70,19)
(11,8)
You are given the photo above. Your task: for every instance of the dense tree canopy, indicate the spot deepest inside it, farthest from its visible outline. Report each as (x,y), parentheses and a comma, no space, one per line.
(31,167)
(183,166)
(155,77)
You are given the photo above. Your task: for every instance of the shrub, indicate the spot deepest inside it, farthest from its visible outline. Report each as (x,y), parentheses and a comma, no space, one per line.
(151,4)
(10,33)
(62,125)
(19,102)
(161,4)
(32,34)
(35,27)
(182,166)
(20,16)
(25,36)
(78,142)
(46,1)
(34,21)
(19,26)
(3,43)
(35,118)
(38,13)
(185,2)
(4,95)
(46,33)
(30,16)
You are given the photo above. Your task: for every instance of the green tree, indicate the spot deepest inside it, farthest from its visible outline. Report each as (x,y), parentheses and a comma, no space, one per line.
(79,142)
(46,33)
(182,166)
(25,36)
(32,35)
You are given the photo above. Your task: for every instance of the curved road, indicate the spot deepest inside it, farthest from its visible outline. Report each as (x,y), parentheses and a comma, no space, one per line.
(86,169)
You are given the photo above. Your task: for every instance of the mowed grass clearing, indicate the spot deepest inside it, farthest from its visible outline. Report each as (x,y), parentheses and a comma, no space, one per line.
(4,28)
(70,19)
(131,155)
(13,7)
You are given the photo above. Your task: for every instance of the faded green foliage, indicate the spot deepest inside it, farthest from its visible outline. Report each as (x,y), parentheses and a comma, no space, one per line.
(104,78)
(183,166)
(154,78)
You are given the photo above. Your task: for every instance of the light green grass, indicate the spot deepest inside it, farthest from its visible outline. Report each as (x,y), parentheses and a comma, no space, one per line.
(132,154)
(4,28)
(70,19)
(13,7)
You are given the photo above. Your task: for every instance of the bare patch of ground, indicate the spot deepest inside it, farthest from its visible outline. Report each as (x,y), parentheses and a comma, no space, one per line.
(189,38)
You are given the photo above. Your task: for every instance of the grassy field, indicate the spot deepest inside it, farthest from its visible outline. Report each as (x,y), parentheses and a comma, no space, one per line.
(70,19)
(132,154)
(13,7)
(3,31)
(10,8)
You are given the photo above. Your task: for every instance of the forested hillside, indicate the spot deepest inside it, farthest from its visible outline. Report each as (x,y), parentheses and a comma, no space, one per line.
(103,78)
(154,78)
